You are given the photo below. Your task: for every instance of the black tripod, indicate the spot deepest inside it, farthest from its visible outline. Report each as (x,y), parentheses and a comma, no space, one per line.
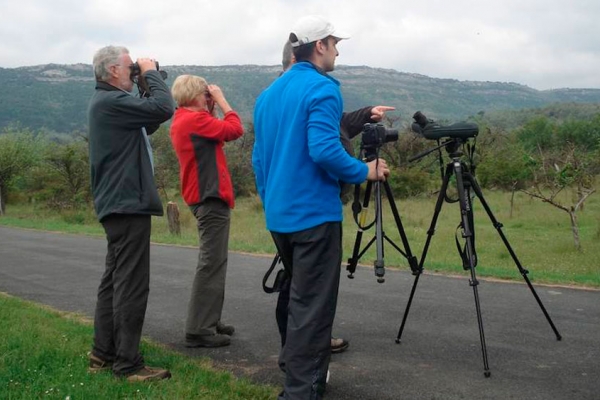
(380,235)
(465,182)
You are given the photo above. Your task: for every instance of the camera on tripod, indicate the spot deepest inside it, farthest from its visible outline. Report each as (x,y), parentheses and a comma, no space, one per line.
(374,136)
(136,71)
(432,130)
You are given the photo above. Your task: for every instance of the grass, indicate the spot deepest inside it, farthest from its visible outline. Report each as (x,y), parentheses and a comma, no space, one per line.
(539,234)
(43,354)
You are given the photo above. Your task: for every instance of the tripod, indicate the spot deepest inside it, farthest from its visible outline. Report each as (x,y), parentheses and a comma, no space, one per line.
(379,232)
(465,182)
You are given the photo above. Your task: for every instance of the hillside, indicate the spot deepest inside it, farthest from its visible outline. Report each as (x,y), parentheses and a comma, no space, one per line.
(55,97)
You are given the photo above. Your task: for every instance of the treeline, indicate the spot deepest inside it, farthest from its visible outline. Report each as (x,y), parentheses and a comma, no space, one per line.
(548,154)
(37,167)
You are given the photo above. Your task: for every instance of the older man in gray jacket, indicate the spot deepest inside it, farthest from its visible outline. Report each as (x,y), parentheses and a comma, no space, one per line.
(125,198)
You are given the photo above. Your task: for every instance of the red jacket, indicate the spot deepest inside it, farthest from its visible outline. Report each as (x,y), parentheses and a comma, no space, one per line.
(198,139)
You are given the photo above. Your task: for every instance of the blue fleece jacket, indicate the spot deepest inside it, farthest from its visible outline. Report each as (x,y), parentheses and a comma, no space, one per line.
(298,159)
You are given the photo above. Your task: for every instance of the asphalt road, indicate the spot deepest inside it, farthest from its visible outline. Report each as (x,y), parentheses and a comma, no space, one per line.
(440,355)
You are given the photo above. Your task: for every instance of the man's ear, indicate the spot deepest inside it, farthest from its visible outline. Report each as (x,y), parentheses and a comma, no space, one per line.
(321,46)
(113,71)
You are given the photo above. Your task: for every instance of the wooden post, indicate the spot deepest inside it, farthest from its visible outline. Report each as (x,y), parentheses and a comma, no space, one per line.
(173,218)
(1,202)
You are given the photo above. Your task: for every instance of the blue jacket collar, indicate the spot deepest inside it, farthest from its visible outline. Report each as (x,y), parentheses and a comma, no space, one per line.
(309,65)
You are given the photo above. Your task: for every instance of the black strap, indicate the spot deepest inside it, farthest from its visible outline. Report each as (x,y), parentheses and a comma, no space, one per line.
(280,278)
(462,251)
(356,206)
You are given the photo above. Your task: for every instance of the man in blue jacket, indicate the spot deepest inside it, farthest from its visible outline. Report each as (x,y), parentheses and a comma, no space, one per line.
(298,161)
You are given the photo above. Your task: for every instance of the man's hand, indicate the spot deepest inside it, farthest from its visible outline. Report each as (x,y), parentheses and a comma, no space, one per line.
(378,170)
(146,64)
(378,112)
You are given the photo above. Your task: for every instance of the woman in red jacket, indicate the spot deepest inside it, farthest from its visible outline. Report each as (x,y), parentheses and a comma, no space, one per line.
(198,137)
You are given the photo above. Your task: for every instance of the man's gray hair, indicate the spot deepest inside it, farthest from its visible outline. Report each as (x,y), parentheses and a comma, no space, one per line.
(104,58)
(286,60)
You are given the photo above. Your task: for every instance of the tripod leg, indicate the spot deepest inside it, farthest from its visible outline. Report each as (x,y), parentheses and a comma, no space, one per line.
(353,261)
(466,212)
(412,260)
(522,270)
(430,233)
(379,262)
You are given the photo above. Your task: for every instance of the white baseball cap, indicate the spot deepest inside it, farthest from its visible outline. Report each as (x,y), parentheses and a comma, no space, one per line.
(312,28)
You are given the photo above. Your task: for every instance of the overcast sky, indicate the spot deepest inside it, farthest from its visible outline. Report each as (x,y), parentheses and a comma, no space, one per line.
(544,44)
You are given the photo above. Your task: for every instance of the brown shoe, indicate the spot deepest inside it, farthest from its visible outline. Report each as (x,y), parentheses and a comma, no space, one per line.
(339,345)
(97,364)
(149,374)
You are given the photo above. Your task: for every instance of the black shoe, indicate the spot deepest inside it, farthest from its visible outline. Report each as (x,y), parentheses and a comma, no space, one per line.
(225,329)
(214,340)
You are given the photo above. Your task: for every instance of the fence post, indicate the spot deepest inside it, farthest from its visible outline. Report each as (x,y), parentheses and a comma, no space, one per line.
(173,218)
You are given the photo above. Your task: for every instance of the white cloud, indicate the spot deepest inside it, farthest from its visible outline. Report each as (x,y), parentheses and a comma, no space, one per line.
(540,43)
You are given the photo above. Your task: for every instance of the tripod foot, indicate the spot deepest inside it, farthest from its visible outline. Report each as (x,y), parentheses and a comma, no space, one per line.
(398,341)
(487,374)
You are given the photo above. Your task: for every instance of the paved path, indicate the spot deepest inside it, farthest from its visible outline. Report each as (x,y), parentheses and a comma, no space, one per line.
(440,355)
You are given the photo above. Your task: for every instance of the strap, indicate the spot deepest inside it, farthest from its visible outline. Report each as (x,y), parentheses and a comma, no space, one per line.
(280,278)
(462,251)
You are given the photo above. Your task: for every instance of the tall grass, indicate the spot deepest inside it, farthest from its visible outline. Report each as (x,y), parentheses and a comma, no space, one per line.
(539,234)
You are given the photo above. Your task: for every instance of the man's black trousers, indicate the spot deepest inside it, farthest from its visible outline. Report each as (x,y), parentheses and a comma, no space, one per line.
(313,256)
(123,292)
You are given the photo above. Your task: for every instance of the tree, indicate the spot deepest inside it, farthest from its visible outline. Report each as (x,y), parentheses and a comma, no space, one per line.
(537,134)
(18,153)
(239,163)
(67,173)
(554,172)
(166,165)
(504,164)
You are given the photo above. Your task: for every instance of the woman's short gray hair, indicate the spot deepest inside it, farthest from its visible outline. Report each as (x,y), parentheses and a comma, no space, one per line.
(104,58)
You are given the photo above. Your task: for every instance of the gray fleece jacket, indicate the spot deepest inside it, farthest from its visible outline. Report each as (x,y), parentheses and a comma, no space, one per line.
(121,169)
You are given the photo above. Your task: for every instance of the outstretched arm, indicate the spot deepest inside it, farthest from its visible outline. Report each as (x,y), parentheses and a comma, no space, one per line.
(352,123)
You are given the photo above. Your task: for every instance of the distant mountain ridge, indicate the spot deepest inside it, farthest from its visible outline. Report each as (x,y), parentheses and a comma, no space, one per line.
(55,97)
